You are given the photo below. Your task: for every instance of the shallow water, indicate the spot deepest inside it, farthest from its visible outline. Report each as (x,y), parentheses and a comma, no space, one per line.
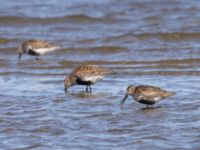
(145,41)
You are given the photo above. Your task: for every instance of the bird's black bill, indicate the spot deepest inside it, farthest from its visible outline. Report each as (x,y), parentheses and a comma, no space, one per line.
(65,89)
(124,99)
(20,55)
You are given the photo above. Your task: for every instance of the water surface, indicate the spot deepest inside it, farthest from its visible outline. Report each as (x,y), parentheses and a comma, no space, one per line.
(146,41)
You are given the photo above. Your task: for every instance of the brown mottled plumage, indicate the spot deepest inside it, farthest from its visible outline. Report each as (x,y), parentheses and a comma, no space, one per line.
(36,48)
(85,75)
(146,94)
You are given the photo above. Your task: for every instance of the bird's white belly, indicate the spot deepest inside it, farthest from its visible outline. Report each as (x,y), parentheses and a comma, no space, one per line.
(157,98)
(43,51)
(93,79)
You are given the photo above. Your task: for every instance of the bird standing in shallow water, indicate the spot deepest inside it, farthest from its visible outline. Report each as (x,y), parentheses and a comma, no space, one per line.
(85,75)
(146,94)
(36,48)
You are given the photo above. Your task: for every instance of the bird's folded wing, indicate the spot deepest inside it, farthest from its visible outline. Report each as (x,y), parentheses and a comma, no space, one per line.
(150,94)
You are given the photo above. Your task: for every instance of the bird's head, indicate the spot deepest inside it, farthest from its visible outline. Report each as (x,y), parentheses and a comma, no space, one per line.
(69,81)
(130,90)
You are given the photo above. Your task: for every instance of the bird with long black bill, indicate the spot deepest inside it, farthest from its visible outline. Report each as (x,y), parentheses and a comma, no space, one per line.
(146,94)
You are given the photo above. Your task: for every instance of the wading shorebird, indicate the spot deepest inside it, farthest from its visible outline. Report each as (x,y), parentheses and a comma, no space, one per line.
(85,75)
(36,48)
(146,94)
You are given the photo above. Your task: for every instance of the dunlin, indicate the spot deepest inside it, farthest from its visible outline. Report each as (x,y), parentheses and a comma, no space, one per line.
(146,94)
(85,75)
(36,48)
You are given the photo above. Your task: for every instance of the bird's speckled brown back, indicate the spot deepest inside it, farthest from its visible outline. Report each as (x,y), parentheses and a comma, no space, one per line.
(36,44)
(151,92)
(89,70)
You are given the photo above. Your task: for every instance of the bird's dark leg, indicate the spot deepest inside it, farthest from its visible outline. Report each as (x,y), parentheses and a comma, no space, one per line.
(86,90)
(90,89)
(37,58)
(147,106)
